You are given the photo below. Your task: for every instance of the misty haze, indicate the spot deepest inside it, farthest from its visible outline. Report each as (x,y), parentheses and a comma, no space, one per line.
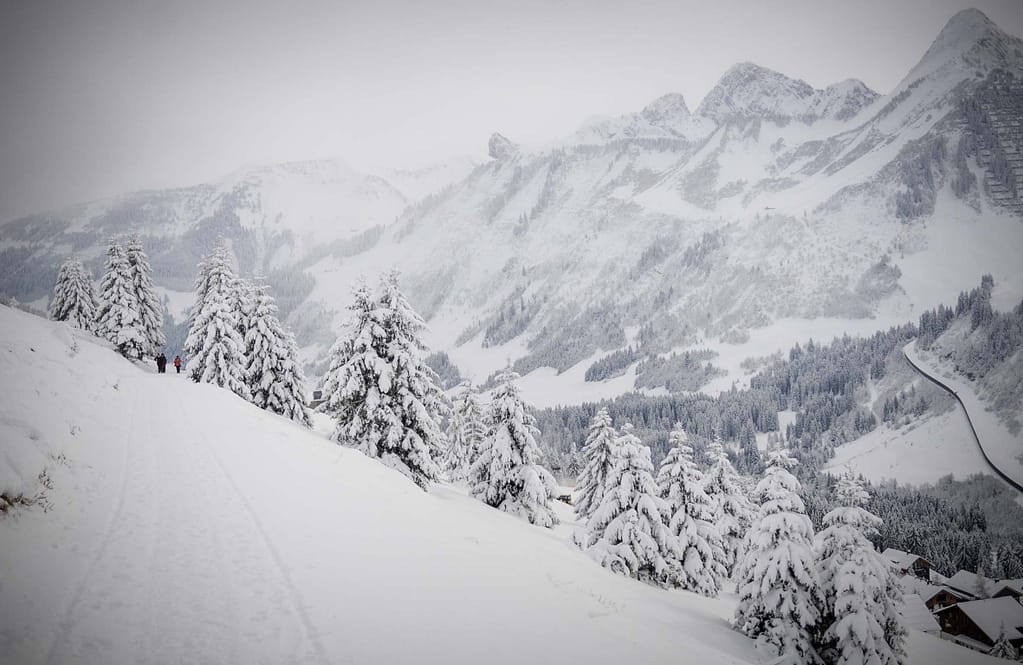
(558,332)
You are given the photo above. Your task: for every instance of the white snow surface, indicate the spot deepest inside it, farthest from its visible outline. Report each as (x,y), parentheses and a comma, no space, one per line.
(185,525)
(188,526)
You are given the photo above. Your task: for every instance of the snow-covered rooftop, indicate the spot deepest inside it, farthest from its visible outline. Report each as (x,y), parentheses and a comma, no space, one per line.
(993,615)
(916,615)
(901,560)
(969,582)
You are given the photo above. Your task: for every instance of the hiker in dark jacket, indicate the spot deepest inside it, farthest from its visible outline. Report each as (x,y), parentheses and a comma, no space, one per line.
(161,363)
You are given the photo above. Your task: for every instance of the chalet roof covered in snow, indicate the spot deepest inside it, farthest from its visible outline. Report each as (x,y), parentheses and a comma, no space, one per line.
(992,615)
(916,615)
(926,590)
(966,581)
(901,560)
(1015,587)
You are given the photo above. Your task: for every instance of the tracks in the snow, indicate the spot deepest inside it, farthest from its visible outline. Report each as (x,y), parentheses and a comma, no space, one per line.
(295,598)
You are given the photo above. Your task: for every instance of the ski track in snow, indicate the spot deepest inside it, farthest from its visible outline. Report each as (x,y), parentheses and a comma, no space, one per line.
(294,596)
(66,622)
(210,600)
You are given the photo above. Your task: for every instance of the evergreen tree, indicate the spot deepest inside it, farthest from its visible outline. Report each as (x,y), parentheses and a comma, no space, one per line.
(777,583)
(1003,648)
(703,562)
(627,532)
(149,306)
(213,347)
(466,430)
(600,452)
(507,474)
(379,388)
(118,318)
(733,512)
(74,298)
(272,371)
(215,273)
(859,620)
(243,297)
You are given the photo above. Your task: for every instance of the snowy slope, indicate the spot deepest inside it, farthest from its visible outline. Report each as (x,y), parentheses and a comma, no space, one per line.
(184,525)
(1003,447)
(188,526)
(923,453)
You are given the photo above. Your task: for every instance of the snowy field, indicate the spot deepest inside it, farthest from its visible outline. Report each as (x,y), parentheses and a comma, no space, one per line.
(183,525)
(922,452)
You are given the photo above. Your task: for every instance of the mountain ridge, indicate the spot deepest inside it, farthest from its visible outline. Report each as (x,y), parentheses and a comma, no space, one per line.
(664,228)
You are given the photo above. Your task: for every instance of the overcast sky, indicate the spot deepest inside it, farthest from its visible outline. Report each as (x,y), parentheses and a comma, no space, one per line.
(100,97)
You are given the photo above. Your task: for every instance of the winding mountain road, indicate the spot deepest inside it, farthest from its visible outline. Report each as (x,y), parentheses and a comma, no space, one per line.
(908,353)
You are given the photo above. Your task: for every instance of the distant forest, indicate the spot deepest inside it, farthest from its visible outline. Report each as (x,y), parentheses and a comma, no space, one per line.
(951,523)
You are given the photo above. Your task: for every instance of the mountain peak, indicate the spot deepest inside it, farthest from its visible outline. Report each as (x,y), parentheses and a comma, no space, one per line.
(968,25)
(668,107)
(750,90)
(969,39)
(500,147)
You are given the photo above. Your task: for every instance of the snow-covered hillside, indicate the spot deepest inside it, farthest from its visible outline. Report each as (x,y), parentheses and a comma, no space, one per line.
(666,229)
(178,523)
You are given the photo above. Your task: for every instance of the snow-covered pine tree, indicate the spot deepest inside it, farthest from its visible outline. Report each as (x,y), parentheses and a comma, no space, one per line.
(777,583)
(149,306)
(507,474)
(1003,648)
(703,560)
(859,621)
(628,531)
(466,430)
(243,303)
(733,512)
(213,346)
(215,273)
(384,396)
(600,452)
(74,298)
(272,370)
(118,318)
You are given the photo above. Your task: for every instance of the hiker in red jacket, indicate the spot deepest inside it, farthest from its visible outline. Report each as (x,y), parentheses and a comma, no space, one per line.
(177,363)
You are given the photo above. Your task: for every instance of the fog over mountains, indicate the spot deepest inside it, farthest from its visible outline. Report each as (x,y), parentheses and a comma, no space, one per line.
(664,229)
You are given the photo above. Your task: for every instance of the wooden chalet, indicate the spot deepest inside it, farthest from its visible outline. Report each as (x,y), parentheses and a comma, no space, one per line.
(907,563)
(981,622)
(1008,588)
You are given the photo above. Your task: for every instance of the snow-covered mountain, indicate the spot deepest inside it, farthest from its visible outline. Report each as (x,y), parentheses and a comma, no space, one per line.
(773,209)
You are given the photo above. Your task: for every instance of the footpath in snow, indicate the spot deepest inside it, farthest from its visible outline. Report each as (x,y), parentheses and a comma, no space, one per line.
(1003,449)
(183,525)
